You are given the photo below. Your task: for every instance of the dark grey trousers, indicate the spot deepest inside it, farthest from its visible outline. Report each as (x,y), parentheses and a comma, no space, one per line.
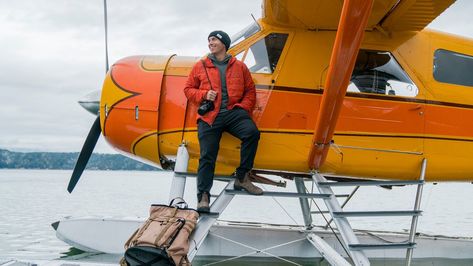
(238,123)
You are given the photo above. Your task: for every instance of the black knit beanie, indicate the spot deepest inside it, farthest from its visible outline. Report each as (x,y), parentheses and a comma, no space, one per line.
(222,36)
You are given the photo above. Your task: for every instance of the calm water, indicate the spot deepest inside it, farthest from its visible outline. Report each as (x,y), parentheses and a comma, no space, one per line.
(30,200)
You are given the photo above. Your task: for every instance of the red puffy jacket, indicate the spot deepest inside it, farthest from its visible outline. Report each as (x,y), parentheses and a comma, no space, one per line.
(240,87)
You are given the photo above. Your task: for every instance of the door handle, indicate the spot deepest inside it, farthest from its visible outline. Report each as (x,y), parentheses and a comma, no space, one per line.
(415,108)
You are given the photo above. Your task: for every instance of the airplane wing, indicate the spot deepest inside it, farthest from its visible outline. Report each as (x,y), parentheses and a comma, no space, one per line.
(350,18)
(388,15)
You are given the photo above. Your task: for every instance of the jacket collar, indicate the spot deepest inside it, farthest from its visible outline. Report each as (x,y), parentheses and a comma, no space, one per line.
(208,62)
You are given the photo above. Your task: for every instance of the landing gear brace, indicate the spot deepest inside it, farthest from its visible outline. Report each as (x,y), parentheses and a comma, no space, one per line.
(349,240)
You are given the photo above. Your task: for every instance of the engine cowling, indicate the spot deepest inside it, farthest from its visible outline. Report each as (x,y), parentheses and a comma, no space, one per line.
(140,100)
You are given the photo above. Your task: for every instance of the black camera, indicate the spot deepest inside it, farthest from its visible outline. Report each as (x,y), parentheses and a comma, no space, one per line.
(205,107)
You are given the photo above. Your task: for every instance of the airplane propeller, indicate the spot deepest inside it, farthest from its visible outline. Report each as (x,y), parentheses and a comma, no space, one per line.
(85,154)
(92,105)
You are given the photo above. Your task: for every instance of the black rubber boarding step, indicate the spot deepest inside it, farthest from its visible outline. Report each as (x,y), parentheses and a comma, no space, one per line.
(209,214)
(375,213)
(253,178)
(358,247)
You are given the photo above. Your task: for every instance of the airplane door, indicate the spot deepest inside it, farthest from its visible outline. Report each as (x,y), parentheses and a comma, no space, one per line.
(174,113)
(382,119)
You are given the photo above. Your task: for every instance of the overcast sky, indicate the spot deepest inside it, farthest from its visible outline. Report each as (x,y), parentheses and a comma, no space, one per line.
(52,54)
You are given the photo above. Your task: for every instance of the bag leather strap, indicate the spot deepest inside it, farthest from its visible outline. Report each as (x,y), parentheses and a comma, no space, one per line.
(132,237)
(166,228)
(178,204)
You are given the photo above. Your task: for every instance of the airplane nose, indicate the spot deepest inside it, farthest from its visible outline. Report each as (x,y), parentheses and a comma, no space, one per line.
(91,102)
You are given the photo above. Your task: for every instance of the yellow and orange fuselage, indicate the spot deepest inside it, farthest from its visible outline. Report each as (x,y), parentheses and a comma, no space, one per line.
(145,114)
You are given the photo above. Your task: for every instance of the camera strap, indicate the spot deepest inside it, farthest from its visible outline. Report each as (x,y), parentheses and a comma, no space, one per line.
(207,74)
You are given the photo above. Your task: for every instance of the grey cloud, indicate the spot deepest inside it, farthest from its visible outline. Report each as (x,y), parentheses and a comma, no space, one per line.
(52,53)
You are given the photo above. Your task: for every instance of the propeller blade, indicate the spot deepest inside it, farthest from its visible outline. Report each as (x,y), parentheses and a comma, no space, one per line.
(85,153)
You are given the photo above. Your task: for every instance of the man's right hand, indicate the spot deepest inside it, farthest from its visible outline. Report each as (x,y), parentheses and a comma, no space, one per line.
(211,95)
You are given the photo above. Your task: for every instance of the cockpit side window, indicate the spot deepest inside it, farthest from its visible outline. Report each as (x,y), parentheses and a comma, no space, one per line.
(454,68)
(378,72)
(263,56)
(245,33)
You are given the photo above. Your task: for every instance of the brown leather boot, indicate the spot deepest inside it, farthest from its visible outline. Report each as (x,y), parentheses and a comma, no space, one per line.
(247,185)
(203,205)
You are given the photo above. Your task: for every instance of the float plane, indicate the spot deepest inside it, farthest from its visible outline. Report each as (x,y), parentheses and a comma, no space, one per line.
(349,93)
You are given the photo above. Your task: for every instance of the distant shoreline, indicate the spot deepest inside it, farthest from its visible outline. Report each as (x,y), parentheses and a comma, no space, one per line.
(67,160)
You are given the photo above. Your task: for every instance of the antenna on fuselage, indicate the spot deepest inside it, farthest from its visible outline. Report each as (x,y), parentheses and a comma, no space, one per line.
(106,34)
(256,22)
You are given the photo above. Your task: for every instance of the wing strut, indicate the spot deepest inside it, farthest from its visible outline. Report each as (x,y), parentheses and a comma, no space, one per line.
(351,27)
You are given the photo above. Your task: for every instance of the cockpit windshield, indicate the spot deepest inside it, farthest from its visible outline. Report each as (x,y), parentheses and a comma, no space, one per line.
(245,33)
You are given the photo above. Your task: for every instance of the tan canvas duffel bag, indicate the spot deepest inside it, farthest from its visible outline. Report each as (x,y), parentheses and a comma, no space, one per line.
(164,237)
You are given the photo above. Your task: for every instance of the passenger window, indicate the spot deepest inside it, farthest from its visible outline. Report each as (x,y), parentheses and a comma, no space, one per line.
(378,72)
(453,68)
(263,56)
